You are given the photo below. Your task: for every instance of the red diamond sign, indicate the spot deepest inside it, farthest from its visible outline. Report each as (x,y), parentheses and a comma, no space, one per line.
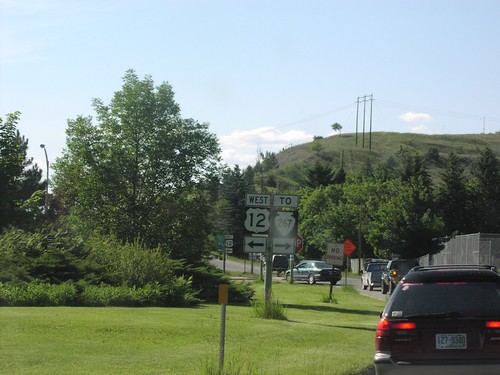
(349,247)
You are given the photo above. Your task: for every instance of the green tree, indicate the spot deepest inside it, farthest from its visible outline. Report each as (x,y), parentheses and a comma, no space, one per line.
(319,175)
(21,191)
(232,206)
(143,171)
(405,223)
(453,197)
(485,188)
(336,127)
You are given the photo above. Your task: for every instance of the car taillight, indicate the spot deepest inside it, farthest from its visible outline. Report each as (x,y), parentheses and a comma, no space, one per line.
(394,273)
(384,332)
(492,324)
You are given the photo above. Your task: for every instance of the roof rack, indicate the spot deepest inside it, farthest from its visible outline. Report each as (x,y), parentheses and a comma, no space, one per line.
(455,267)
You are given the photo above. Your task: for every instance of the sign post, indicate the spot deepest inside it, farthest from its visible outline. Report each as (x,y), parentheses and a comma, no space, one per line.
(349,248)
(223,300)
(272,223)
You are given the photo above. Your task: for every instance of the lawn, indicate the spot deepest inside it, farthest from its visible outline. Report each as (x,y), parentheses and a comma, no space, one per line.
(316,338)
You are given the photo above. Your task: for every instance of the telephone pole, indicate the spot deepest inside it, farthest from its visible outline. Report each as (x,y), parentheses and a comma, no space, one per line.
(364,98)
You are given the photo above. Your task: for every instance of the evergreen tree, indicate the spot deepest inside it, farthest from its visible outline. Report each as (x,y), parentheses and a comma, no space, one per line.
(454,199)
(485,187)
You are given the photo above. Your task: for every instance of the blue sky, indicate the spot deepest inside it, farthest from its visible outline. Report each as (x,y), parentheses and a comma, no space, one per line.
(264,74)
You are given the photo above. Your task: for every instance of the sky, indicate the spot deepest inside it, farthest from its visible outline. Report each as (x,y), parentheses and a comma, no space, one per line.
(264,74)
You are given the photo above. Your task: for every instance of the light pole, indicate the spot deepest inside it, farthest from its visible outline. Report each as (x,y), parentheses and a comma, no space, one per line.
(46,182)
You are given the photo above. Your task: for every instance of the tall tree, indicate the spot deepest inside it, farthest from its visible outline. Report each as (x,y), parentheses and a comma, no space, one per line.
(142,170)
(232,206)
(485,187)
(319,175)
(21,191)
(453,197)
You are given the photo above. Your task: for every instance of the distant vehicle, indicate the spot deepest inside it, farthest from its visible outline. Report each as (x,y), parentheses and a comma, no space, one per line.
(394,272)
(313,271)
(372,274)
(280,263)
(441,320)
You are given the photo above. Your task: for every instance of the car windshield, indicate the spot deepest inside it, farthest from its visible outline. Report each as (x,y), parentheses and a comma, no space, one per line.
(375,267)
(464,299)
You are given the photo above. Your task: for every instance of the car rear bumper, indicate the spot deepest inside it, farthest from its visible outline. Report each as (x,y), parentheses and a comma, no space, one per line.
(384,365)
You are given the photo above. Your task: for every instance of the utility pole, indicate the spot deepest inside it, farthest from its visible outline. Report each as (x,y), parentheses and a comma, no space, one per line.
(357,115)
(371,111)
(364,118)
(365,99)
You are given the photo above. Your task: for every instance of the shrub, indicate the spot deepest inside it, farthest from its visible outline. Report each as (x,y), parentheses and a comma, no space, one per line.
(271,310)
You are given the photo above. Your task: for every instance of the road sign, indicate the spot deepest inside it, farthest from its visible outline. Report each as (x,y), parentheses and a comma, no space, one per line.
(285,224)
(228,243)
(283,245)
(349,247)
(257,220)
(299,243)
(258,200)
(290,201)
(335,254)
(255,244)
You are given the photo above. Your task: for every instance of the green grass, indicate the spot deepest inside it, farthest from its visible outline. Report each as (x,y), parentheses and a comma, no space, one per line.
(316,338)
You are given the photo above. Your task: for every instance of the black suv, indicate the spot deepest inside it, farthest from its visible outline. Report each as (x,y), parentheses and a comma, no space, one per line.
(441,320)
(394,272)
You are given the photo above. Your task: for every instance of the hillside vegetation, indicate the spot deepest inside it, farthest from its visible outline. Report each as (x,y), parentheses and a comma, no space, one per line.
(343,150)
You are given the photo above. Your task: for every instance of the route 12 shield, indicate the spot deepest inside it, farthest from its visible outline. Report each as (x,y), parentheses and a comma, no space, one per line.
(257,220)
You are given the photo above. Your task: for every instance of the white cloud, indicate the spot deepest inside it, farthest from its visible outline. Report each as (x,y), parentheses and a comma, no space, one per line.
(242,146)
(415,117)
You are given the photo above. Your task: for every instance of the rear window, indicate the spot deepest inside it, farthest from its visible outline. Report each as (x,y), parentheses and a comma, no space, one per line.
(404,267)
(375,267)
(468,299)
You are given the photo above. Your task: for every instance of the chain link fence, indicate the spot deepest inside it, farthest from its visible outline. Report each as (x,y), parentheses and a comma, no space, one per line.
(476,248)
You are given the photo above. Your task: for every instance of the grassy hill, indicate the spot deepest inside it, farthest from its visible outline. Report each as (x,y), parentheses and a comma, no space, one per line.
(354,153)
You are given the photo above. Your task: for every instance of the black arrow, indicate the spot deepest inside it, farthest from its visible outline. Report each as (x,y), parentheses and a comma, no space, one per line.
(285,245)
(255,244)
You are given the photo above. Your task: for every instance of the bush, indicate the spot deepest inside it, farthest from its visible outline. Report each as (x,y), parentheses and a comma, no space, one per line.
(82,294)
(271,310)
(37,294)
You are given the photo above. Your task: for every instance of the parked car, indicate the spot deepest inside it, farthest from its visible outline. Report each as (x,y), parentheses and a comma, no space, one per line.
(394,272)
(441,320)
(372,274)
(280,263)
(313,271)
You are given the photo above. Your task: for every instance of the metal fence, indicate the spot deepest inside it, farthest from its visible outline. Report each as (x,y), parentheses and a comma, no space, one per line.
(477,248)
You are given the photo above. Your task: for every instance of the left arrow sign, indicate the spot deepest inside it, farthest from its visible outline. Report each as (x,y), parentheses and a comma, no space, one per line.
(255,244)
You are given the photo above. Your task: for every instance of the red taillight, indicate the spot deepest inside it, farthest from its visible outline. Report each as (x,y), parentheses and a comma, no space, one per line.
(404,325)
(384,326)
(383,339)
(493,324)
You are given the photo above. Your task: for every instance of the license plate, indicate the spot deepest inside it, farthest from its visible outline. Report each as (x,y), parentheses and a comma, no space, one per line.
(451,341)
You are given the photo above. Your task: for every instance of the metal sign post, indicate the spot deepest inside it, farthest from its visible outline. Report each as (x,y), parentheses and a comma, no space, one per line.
(223,300)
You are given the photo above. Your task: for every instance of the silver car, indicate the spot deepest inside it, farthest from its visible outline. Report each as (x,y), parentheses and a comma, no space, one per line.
(372,274)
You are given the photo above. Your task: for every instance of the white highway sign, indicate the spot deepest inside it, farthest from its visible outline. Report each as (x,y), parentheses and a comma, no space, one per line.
(255,244)
(290,201)
(257,220)
(283,245)
(258,200)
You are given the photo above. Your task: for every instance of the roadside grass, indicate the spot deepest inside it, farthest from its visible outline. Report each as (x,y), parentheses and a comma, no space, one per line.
(317,337)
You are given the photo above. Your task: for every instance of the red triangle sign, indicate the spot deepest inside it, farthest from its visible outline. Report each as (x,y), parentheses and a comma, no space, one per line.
(349,247)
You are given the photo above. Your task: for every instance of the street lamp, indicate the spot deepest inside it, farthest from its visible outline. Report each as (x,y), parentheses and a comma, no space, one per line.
(46,182)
